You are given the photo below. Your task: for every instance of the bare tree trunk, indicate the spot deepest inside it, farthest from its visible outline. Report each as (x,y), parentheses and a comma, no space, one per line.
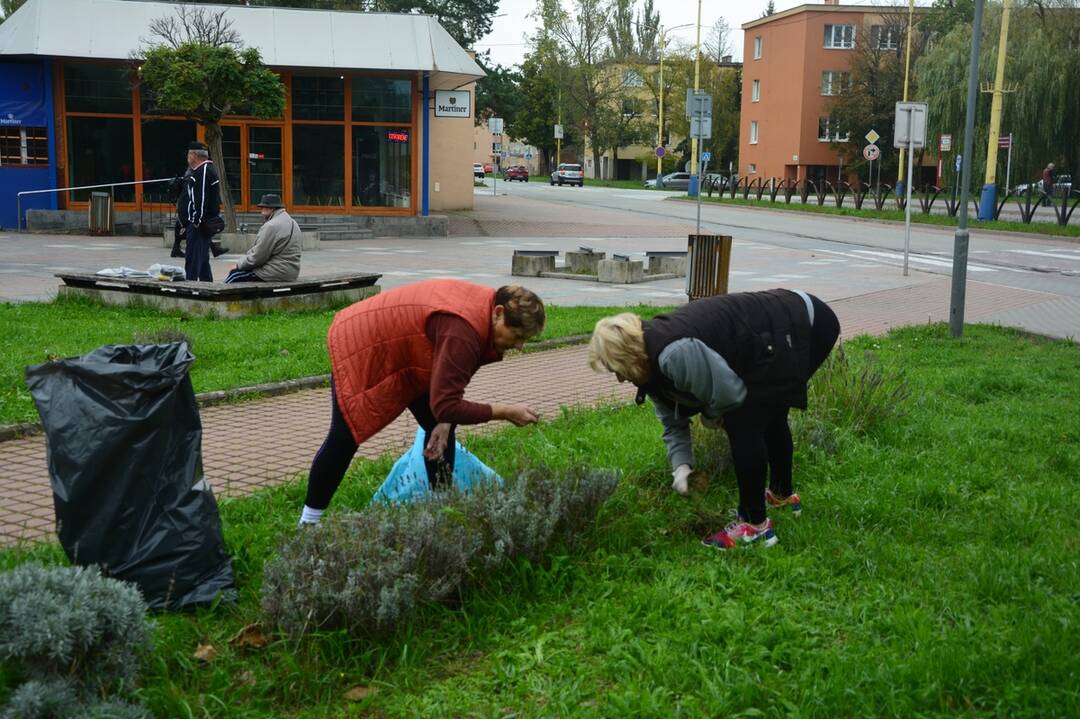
(596,160)
(213,139)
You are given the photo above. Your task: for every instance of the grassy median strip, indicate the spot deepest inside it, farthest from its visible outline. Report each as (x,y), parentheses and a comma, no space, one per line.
(917,216)
(231,353)
(933,573)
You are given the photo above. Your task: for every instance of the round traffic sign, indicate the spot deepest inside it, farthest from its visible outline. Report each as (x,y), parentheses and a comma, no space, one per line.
(660,151)
(871,152)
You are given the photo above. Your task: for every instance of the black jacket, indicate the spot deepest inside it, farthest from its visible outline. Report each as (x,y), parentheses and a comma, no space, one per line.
(203,194)
(763,336)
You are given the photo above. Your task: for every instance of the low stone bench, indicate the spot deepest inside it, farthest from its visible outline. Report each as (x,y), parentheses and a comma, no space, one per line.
(671,262)
(227,301)
(531,263)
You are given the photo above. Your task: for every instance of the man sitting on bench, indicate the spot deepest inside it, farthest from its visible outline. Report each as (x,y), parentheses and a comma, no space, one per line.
(275,256)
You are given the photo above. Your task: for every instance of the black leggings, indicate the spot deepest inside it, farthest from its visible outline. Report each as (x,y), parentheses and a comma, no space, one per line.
(760,436)
(337,451)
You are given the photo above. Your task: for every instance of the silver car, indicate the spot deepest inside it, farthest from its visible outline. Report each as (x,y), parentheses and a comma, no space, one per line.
(568,174)
(675,181)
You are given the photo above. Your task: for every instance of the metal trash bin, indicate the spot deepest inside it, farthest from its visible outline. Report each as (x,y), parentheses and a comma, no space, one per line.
(101,213)
(708,262)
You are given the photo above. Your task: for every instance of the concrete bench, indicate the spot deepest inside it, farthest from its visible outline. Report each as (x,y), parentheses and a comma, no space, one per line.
(228,301)
(667,262)
(530,263)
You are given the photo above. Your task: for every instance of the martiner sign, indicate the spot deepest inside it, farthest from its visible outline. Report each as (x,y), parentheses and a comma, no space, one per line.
(453,103)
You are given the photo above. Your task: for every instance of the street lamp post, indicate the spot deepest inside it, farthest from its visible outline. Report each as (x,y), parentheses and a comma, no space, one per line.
(694,179)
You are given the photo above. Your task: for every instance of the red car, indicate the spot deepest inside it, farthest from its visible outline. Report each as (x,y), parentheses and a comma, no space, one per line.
(487,167)
(516,172)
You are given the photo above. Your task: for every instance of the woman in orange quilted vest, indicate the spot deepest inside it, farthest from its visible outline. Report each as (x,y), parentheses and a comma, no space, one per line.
(417,347)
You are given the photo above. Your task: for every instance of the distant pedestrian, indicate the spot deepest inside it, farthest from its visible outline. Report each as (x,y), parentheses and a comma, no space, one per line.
(178,194)
(1048,184)
(416,347)
(275,256)
(741,361)
(203,189)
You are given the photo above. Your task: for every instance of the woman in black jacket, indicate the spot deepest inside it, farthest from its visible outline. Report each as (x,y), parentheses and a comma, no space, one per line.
(741,361)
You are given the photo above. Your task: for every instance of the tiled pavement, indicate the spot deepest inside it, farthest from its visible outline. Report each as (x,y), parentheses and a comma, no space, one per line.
(288,429)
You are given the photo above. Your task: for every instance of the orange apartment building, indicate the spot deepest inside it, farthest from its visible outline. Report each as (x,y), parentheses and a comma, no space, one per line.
(793,62)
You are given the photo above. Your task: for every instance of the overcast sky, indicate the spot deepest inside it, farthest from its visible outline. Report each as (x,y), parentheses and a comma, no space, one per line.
(507,40)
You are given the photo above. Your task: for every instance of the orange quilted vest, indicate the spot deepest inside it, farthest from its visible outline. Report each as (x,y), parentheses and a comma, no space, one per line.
(380,355)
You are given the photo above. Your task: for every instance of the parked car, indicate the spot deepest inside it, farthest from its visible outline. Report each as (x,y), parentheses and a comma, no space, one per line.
(568,174)
(516,172)
(478,170)
(487,167)
(1063,186)
(675,181)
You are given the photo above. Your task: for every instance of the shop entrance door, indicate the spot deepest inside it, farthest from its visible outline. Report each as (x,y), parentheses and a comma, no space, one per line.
(264,162)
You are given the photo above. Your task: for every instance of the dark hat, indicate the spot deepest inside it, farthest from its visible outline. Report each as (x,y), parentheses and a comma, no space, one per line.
(198,146)
(270,200)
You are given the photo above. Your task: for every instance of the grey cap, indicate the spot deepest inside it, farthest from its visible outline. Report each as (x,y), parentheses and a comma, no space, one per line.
(271,200)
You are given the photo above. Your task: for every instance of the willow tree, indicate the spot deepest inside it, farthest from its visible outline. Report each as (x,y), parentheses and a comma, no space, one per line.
(197,67)
(1041,112)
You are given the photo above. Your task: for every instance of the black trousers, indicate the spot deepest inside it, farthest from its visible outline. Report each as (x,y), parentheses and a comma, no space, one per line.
(759,434)
(197,256)
(337,451)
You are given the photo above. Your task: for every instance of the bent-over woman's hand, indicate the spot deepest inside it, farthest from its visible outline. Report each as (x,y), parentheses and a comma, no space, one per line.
(437,441)
(518,414)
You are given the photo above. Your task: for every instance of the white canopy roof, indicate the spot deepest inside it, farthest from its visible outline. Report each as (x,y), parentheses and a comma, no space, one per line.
(113,29)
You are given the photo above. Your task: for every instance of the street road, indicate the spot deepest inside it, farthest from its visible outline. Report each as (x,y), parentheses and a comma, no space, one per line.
(1048,265)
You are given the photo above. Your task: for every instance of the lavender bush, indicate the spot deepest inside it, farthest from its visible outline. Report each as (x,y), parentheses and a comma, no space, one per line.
(367,572)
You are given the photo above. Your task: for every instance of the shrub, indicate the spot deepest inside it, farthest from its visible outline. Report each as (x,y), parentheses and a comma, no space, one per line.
(367,572)
(74,636)
(854,399)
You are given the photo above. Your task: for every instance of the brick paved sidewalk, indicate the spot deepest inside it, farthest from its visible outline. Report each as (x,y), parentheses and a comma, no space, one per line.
(288,429)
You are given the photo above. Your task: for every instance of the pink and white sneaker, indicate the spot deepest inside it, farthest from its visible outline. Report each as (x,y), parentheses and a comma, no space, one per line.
(791,502)
(748,533)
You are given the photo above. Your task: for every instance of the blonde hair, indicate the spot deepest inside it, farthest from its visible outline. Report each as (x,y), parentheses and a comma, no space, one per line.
(524,310)
(618,346)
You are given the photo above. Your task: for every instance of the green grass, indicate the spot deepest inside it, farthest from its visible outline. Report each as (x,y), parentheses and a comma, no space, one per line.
(917,216)
(933,573)
(231,353)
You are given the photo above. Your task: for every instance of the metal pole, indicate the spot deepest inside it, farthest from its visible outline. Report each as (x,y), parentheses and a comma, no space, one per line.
(697,86)
(988,199)
(907,205)
(1008,164)
(960,241)
(660,121)
(699,203)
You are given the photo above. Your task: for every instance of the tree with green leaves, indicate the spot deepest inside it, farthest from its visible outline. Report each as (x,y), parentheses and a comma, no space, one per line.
(1041,114)
(535,121)
(9,6)
(498,94)
(725,86)
(197,68)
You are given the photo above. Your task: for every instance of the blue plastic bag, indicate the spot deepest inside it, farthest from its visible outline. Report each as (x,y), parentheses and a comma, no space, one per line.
(408,479)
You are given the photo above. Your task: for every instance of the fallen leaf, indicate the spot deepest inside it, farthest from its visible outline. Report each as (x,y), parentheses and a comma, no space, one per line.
(249,636)
(246,678)
(359,692)
(206,653)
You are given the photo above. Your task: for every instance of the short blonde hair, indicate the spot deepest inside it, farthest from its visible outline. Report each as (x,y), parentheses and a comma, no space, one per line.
(618,346)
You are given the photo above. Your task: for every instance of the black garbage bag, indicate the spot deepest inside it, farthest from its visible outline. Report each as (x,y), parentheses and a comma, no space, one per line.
(125,458)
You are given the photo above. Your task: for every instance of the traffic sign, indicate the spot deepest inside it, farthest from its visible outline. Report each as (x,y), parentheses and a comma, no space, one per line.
(946,143)
(871,152)
(1005,142)
(959,161)
(660,151)
(706,157)
(558,132)
(910,125)
(872,137)
(528,156)
(495,125)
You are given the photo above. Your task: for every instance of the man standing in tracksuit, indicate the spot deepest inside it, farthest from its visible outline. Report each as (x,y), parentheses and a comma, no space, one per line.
(203,188)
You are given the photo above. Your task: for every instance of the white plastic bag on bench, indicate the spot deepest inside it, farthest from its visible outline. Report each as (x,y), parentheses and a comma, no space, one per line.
(408,479)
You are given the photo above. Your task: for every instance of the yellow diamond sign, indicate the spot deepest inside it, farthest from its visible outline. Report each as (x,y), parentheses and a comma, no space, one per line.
(872,137)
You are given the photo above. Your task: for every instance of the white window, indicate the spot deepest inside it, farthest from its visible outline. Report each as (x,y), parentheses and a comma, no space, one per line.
(755,91)
(751,168)
(839,36)
(633,79)
(757,47)
(753,132)
(829,131)
(835,82)
(885,37)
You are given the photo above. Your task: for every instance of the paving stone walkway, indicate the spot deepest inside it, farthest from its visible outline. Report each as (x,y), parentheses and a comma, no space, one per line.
(276,437)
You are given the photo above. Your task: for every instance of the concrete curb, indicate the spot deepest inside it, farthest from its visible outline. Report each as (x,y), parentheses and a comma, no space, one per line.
(282,387)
